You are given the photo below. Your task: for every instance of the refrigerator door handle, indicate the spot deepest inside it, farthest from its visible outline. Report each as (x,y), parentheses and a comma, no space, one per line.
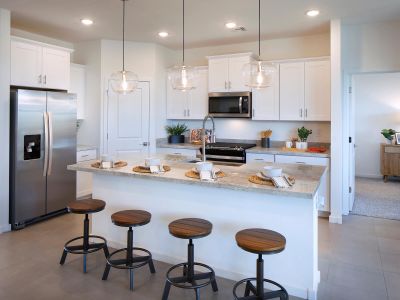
(46,143)
(50,150)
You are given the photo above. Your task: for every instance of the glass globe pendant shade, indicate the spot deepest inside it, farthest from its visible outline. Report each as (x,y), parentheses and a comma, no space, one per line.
(182,78)
(124,82)
(258,74)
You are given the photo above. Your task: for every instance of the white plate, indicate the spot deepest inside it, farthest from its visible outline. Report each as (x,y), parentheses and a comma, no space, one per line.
(215,170)
(260,175)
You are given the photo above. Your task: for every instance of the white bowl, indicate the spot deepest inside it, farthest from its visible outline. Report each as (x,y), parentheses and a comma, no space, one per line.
(150,162)
(204,166)
(269,171)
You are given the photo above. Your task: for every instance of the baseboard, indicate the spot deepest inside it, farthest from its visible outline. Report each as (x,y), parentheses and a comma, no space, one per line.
(335,219)
(370,176)
(5,228)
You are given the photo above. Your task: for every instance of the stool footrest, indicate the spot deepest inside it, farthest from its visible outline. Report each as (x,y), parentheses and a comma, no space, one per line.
(281,293)
(181,280)
(134,263)
(80,249)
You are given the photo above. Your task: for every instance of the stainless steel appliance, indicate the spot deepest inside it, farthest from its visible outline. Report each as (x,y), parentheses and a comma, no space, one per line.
(230,105)
(232,153)
(43,143)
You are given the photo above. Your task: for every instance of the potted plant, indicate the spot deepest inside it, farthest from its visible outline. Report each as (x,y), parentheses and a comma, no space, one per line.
(303,134)
(388,134)
(175,133)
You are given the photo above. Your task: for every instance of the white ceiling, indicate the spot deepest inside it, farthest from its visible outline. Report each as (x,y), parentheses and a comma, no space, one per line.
(204,22)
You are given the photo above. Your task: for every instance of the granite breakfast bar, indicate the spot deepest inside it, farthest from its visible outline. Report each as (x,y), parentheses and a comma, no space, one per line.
(231,203)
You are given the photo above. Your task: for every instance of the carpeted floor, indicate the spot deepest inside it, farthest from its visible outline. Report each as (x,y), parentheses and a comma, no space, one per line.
(376,198)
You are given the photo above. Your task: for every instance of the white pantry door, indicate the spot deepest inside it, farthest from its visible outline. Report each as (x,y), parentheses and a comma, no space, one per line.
(127,122)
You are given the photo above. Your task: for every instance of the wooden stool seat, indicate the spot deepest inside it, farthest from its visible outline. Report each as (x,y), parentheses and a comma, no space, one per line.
(131,218)
(86,206)
(260,241)
(190,228)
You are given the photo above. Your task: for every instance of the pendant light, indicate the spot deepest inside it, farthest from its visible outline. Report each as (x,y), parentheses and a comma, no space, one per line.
(258,74)
(123,82)
(182,77)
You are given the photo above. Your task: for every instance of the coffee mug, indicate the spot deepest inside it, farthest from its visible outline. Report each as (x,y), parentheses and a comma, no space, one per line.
(150,162)
(288,144)
(204,166)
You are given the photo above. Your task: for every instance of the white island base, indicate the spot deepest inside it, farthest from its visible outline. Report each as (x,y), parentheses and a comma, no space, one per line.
(229,210)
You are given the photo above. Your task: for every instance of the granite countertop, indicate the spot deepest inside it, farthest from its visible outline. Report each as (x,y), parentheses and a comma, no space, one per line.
(179,146)
(308,177)
(279,150)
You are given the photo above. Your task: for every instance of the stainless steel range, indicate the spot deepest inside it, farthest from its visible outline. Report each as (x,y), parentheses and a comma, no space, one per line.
(227,152)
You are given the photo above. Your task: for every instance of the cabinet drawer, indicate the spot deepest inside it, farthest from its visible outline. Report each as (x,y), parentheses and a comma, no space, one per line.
(178,151)
(254,157)
(308,160)
(392,149)
(86,155)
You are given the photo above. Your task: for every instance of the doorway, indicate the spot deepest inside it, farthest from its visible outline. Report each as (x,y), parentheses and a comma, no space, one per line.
(374,105)
(126,122)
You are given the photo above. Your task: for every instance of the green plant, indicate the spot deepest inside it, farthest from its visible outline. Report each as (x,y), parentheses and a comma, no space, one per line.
(303,133)
(177,129)
(388,133)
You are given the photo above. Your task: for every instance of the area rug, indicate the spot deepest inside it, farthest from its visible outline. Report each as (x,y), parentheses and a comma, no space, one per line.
(375,198)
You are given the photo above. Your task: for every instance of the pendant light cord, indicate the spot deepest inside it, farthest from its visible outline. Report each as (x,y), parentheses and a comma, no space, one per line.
(123,35)
(183,34)
(259,29)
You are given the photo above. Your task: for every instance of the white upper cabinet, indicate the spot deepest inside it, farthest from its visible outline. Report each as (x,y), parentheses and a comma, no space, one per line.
(56,69)
(317,91)
(291,90)
(78,87)
(189,105)
(35,64)
(305,92)
(266,101)
(226,73)
(26,64)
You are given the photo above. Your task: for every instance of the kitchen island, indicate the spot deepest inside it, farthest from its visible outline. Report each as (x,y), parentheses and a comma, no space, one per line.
(231,203)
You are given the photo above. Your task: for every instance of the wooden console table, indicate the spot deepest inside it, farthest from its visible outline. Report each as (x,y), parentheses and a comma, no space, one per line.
(390,160)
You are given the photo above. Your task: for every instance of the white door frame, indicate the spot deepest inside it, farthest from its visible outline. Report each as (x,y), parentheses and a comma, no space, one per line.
(104,118)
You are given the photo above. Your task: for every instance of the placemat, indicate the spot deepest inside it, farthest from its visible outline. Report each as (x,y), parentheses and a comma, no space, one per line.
(141,169)
(118,164)
(257,180)
(195,175)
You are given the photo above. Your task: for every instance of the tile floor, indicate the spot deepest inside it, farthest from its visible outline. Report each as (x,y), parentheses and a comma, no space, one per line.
(358,260)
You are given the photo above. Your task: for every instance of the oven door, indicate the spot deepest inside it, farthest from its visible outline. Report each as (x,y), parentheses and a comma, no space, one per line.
(230,105)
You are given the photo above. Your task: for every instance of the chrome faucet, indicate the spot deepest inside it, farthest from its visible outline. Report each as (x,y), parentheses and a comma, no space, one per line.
(204,134)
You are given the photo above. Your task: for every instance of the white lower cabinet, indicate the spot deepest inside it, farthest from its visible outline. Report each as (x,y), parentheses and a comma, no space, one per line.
(260,157)
(324,197)
(179,151)
(84,179)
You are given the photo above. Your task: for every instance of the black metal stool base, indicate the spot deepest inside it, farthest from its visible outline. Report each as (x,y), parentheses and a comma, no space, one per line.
(258,290)
(129,262)
(189,278)
(250,288)
(86,247)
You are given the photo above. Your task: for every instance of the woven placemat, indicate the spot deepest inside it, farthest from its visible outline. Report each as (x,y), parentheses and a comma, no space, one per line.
(195,175)
(118,164)
(141,169)
(257,180)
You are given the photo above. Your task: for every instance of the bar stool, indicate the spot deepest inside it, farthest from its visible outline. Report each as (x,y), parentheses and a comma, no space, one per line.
(86,207)
(190,229)
(130,218)
(260,241)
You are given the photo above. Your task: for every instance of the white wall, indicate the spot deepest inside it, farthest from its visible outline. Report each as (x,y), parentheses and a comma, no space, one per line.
(377,106)
(4,116)
(275,49)
(371,47)
(89,54)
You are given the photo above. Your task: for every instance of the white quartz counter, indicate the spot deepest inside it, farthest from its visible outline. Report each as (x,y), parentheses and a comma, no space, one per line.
(307,177)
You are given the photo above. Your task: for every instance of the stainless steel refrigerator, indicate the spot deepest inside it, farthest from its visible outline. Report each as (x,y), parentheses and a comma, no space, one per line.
(43,143)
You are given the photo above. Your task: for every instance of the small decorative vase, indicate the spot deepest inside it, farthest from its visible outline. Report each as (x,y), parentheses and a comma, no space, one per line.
(176,139)
(265,143)
(298,145)
(304,145)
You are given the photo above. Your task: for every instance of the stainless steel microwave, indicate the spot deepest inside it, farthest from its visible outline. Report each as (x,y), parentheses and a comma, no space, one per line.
(230,105)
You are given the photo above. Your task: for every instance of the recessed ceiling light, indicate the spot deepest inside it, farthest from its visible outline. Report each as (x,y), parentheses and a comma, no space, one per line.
(87,22)
(230,25)
(312,12)
(163,34)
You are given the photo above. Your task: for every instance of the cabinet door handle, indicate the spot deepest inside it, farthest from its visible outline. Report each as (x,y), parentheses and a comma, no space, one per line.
(259,159)
(306,113)
(188,112)
(254,112)
(45,79)
(226,85)
(301,112)
(230,85)
(300,162)
(40,79)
